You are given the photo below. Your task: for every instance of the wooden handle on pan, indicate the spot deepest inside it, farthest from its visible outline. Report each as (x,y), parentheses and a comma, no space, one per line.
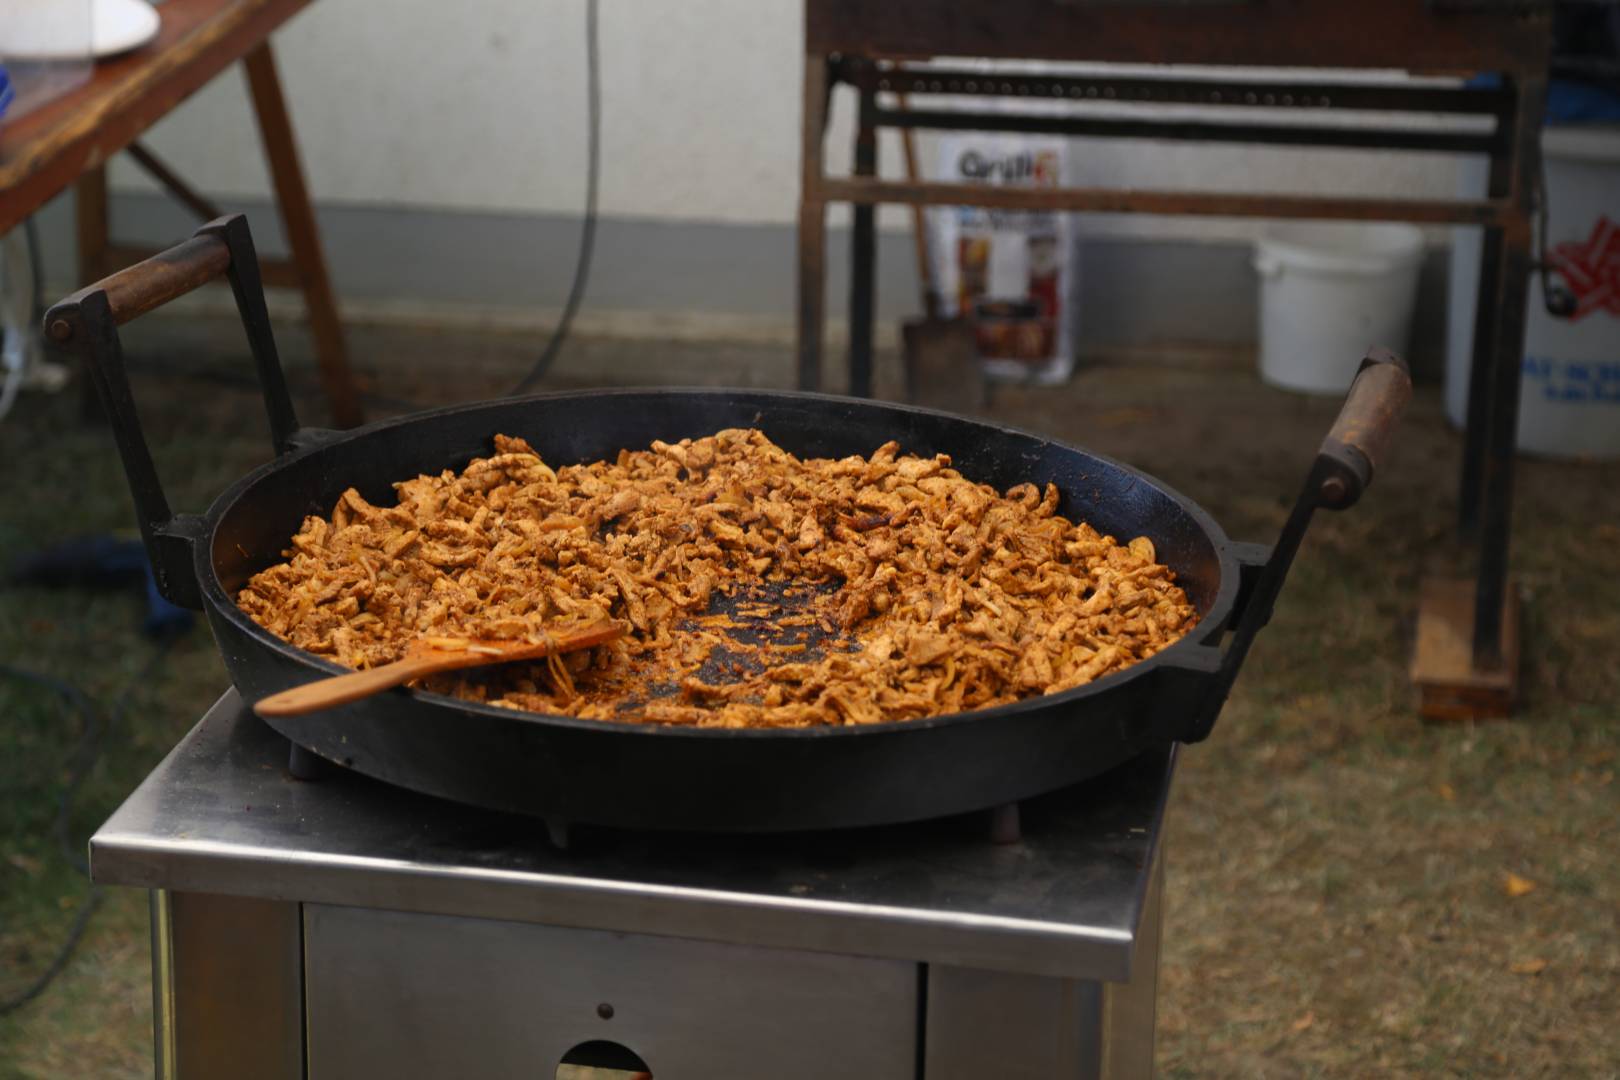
(153,282)
(1373,406)
(1366,422)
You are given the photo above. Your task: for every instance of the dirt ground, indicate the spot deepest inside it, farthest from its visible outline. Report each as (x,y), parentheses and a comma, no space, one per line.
(1339,899)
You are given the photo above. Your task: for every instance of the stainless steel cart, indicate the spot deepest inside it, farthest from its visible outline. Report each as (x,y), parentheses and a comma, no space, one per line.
(344,928)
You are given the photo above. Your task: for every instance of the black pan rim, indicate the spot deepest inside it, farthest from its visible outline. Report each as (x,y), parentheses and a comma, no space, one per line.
(215,596)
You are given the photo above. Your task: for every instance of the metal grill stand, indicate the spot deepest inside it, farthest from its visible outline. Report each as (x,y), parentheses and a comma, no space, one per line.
(1471,665)
(348,928)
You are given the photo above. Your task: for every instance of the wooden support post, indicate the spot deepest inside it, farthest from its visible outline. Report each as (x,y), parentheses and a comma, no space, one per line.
(90,234)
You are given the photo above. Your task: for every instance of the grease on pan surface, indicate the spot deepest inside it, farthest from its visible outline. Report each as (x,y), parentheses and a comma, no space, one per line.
(763,590)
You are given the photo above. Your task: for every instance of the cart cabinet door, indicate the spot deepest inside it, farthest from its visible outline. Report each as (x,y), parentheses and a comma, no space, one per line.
(431,996)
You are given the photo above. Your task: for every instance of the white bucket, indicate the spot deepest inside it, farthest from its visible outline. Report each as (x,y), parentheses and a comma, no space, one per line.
(1569,399)
(1328,292)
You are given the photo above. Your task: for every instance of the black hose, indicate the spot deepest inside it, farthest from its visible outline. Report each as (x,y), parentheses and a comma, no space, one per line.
(91,733)
(84,755)
(587,235)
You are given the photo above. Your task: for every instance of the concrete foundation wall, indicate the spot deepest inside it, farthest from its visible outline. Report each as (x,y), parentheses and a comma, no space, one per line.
(695,279)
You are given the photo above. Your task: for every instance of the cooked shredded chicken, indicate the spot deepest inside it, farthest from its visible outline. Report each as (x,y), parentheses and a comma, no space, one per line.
(848,592)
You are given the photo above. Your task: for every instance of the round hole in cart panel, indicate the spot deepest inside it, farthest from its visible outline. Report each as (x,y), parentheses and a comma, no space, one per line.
(600,1059)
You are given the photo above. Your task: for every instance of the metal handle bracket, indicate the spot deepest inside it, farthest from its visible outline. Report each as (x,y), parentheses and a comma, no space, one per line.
(1340,474)
(86,324)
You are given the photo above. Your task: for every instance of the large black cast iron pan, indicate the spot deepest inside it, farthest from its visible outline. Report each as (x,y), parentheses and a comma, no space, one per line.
(648,776)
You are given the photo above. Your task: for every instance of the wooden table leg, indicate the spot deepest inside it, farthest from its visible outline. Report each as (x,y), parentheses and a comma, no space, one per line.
(812,291)
(90,240)
(812,224)
(863,254)
(275,129)
(90,211)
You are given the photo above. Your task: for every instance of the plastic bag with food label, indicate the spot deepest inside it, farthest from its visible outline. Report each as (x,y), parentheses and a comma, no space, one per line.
(1011,273)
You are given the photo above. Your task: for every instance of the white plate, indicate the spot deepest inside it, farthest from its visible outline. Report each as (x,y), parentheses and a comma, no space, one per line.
(55,30)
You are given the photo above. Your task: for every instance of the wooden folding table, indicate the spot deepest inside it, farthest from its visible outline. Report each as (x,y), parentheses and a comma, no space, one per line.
(69,140)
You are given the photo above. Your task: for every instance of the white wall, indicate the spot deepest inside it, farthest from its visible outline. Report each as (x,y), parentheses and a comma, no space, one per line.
(479,105)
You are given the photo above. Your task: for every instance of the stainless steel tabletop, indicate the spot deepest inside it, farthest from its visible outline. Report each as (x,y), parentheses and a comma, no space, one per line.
(221,814)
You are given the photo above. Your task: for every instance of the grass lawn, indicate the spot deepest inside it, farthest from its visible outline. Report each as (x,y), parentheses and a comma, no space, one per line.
(1337,898)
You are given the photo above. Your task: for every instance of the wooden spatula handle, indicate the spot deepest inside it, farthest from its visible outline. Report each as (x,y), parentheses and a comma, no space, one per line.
(342,689)
(429,657)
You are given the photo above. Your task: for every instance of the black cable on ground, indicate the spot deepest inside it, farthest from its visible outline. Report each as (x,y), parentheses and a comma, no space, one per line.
(85,752)
(587,235)
(64,953)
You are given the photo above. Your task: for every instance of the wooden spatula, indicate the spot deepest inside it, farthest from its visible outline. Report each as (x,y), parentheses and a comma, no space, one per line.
(427,657)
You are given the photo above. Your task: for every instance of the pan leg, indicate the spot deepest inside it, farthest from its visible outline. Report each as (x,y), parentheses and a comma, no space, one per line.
(557,832)
(307,766)
(1006,826)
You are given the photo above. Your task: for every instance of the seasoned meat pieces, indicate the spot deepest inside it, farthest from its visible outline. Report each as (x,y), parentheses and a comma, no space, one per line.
(926,592)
